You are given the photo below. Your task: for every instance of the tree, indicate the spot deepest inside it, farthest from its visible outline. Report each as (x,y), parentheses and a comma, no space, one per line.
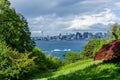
(90,49)
(14,28)
(114,32)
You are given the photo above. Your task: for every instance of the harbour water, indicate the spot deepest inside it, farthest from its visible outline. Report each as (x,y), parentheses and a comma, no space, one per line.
(58,48)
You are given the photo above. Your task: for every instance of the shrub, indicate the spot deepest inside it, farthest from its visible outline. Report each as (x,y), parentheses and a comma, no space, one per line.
(90,49)
(44,62)
(14,65)
(71,57)
(53,62)
(40,60)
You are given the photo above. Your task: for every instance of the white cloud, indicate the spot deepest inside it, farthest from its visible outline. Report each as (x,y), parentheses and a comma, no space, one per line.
(34,32)
(41,19)
(117,4)
(49,24)
(85,21)
(53,24)
(62,16)
(94,1)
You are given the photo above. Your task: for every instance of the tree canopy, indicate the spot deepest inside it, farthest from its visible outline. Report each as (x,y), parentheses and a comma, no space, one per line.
(14,28)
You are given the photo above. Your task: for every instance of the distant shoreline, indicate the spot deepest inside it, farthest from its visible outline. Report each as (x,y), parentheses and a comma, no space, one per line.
(65,40)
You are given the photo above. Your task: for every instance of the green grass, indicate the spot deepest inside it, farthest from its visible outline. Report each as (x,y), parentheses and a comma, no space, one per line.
(83,70)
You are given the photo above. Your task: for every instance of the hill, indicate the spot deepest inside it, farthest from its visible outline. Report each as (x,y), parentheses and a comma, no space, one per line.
(83,70)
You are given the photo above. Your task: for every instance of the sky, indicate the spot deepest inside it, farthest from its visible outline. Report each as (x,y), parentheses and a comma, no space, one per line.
(51,17)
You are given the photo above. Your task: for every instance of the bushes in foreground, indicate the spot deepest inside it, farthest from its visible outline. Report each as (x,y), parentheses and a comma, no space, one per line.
(14,65)
(44,62)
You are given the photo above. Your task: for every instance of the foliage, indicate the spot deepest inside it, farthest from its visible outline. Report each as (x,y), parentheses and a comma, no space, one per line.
(53,62)
(84,70)
(14,65)
(71,57)
(44,62)
(114,32)
(90,49)
(40,60)
(14,28)
(62,70)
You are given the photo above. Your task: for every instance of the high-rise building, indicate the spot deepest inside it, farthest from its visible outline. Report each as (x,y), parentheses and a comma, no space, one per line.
(78,35)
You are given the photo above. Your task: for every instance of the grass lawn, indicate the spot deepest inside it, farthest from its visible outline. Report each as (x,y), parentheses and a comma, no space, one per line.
(83,70)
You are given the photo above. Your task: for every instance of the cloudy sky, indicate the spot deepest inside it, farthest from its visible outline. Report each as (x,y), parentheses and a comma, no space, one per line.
(52,17)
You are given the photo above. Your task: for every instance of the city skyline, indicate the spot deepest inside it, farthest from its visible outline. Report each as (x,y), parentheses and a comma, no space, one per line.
(71,36)
(43,33)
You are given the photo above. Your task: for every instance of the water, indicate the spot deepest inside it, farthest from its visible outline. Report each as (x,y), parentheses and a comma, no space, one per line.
(58,48)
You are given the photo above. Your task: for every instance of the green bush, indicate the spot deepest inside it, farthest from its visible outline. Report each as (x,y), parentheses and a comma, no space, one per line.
(14,65)
(40,60)
(44,62)
(71,57)
(53,62)
(90,49)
